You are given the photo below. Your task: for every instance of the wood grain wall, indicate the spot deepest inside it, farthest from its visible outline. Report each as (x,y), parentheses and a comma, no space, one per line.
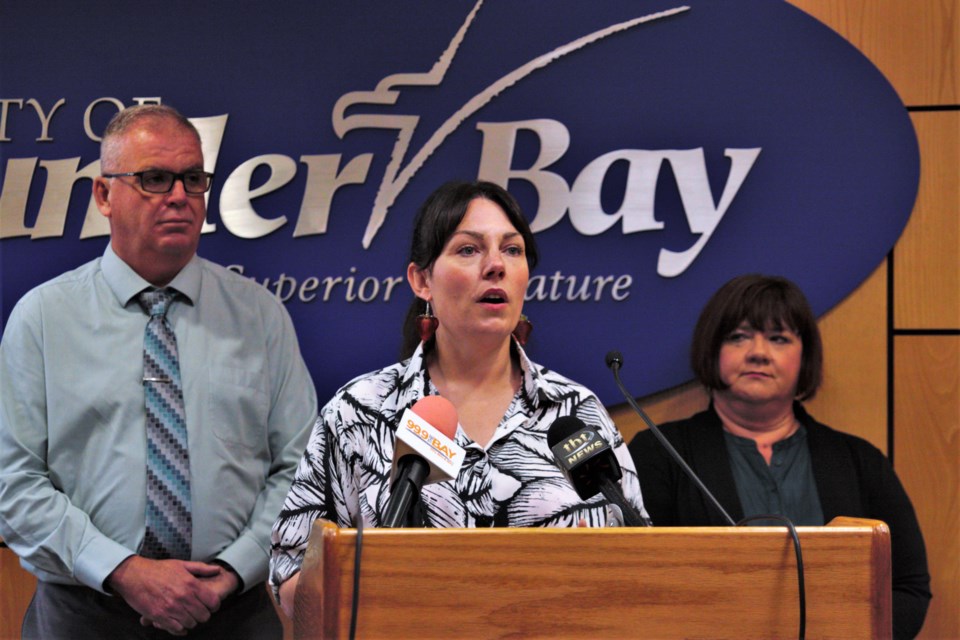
(893,346)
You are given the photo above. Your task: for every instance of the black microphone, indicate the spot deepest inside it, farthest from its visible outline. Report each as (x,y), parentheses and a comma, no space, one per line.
(614,362)
(590,464)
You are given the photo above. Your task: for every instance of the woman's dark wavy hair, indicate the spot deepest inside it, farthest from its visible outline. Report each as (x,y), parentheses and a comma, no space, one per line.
(762,302)
(437,219)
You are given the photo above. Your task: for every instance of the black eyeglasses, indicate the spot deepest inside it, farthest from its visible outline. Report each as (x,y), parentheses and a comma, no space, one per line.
(160,181)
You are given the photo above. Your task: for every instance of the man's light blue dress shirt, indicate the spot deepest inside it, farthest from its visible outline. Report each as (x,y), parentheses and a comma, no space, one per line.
(72,424)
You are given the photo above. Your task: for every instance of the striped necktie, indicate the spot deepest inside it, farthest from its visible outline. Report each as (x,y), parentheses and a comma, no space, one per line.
(169,521)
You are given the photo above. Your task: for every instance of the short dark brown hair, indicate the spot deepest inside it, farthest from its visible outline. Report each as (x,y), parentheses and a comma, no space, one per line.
(438,218)
(762,302)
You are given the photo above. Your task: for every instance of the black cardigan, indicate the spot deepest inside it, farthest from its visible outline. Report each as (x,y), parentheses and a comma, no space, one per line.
(853,479)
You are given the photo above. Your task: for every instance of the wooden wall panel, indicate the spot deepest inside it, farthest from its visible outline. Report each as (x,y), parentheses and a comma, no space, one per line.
(927,456)
(673,404)
(914,43)
(18,586)
(927,257)
(853,397)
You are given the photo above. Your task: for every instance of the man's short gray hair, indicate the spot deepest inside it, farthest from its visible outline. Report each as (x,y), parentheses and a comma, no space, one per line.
(128,118)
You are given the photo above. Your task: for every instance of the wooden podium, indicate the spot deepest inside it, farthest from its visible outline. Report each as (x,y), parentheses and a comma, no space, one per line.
(662,582)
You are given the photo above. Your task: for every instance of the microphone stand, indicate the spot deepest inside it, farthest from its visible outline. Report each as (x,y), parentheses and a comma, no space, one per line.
(614,361)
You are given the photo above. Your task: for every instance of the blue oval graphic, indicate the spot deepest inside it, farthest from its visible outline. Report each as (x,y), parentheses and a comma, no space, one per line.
(658,148)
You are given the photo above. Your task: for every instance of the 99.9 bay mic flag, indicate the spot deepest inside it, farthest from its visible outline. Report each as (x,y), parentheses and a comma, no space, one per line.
(424,453)
(658,148)
(427,429)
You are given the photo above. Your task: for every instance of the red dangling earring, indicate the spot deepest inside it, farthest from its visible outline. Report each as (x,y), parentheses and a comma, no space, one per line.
(427,324)
(523,329)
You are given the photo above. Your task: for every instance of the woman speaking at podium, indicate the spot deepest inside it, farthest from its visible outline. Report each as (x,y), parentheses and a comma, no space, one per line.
(470,261)
(756,349)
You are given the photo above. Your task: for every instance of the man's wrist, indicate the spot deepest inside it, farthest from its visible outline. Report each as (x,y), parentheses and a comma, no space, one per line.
(110,582)
(226,567)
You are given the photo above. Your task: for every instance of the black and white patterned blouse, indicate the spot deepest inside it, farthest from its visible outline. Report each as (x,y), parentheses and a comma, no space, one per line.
(513,482)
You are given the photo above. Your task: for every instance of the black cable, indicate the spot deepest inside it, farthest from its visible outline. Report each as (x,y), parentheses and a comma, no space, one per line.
(796,547)
(354,606)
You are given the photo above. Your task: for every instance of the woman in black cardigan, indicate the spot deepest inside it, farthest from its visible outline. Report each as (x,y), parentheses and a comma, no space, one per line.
(757,350)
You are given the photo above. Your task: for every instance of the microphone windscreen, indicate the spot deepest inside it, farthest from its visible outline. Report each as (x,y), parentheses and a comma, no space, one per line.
(439,412)
(562,428)
(614,358)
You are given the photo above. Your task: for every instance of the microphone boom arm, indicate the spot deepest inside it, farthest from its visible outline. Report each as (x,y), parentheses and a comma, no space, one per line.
(614,360)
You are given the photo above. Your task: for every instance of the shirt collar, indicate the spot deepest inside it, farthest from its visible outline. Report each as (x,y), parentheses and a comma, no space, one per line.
(795,439)
(125,283)
(536,387)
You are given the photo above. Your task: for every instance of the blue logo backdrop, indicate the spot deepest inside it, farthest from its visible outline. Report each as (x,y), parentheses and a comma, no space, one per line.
(658,149)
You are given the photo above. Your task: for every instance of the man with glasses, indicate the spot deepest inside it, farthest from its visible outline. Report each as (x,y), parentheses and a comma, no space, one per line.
(154,408)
